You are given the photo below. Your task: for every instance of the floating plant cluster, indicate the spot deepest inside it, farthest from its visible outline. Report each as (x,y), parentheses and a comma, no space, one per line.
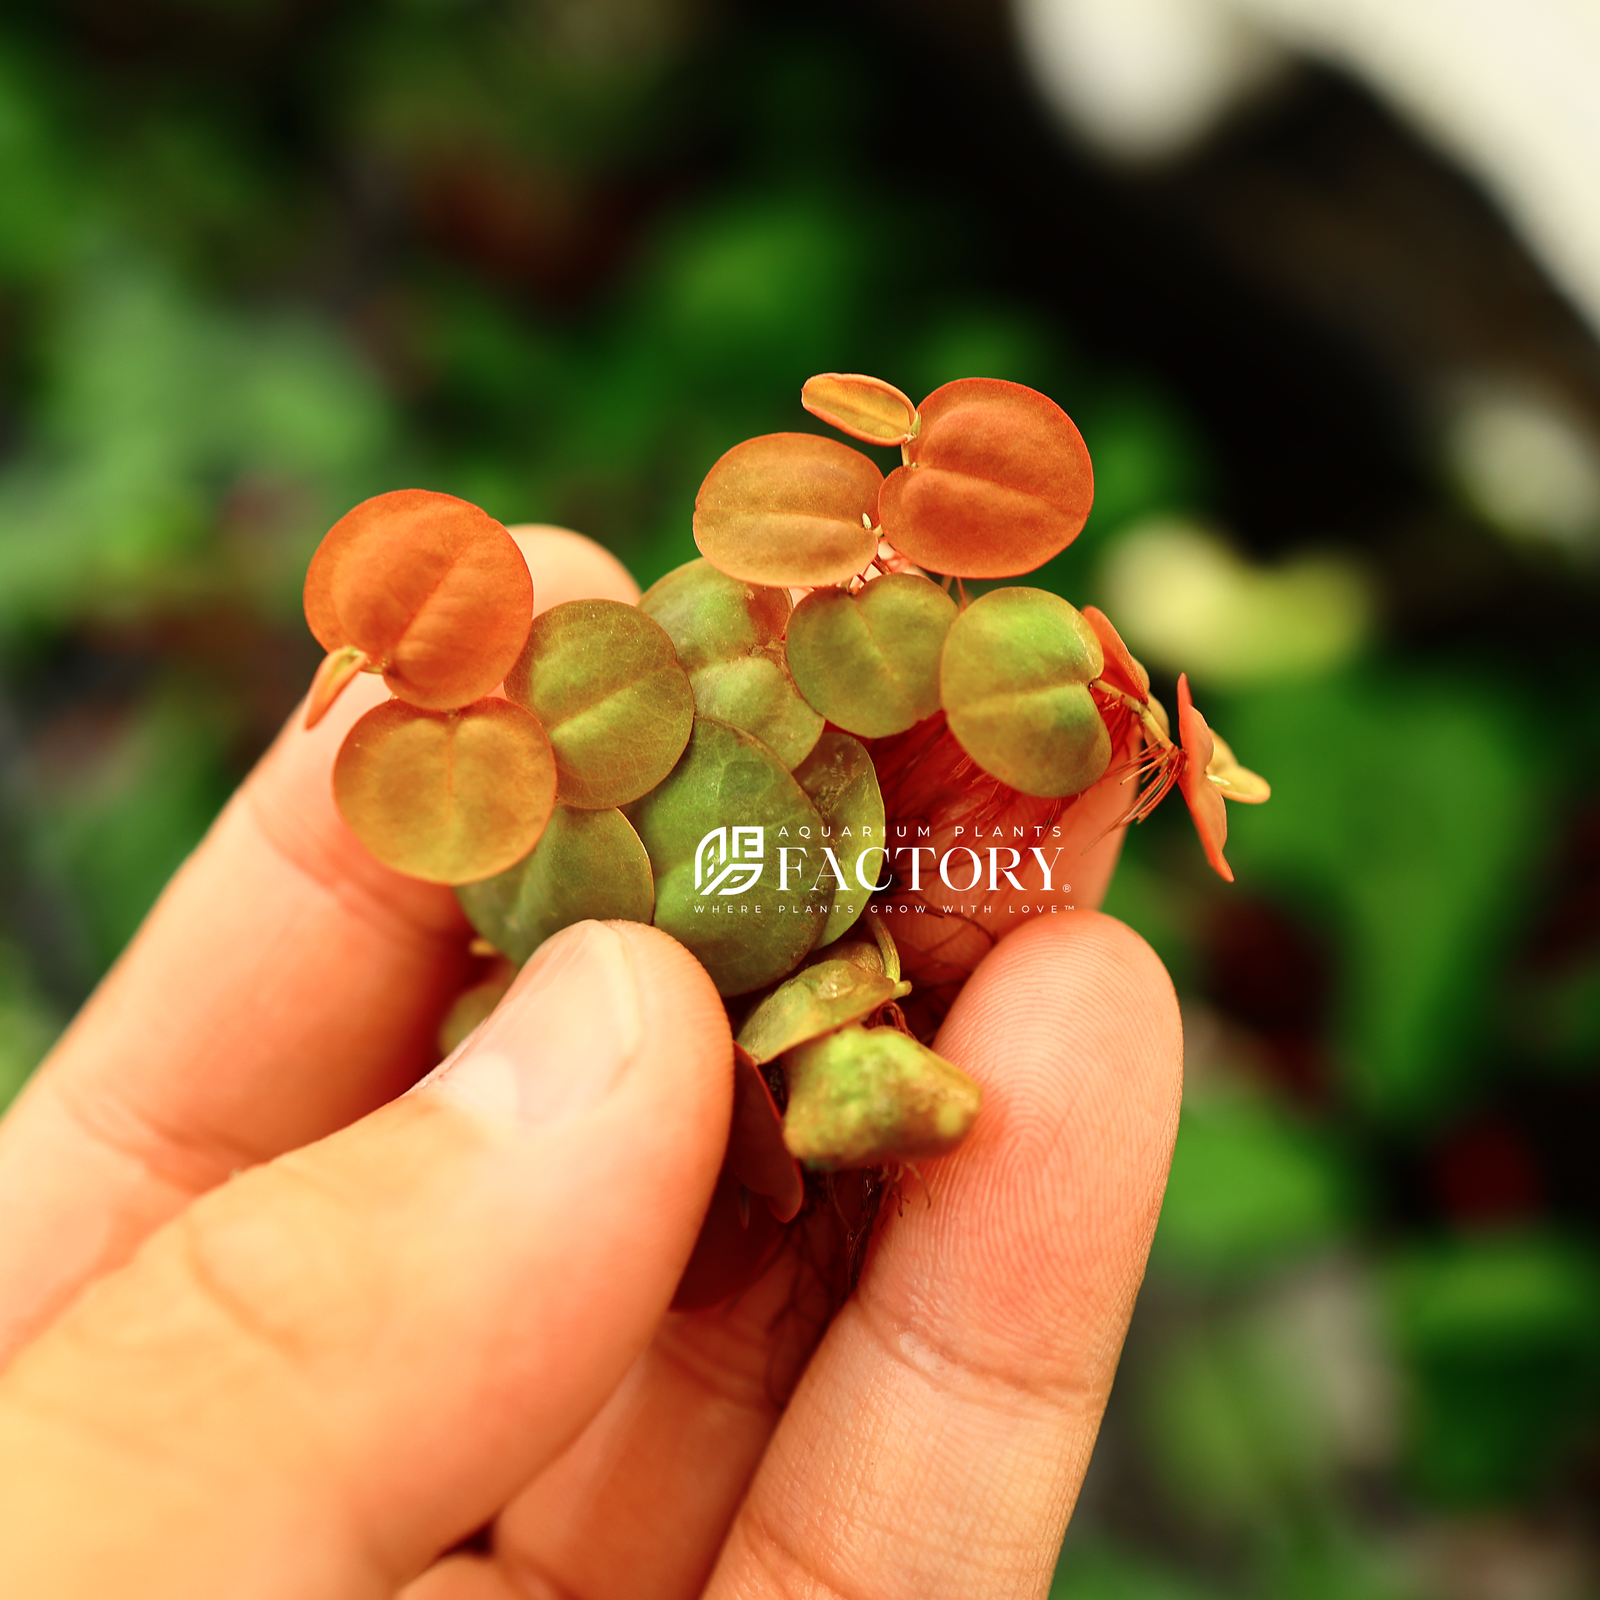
(786,756)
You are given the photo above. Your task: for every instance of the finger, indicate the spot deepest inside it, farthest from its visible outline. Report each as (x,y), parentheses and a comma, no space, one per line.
(284,984)
(938,1439)
(641,1500)
(324,1373)
(671,1455)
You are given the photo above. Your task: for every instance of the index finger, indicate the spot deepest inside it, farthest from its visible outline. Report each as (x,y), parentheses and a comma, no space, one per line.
(937,1442)
(284,985)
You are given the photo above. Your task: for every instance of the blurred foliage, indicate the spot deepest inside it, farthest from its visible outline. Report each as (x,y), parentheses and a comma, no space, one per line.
(1502,1338)
(259,260)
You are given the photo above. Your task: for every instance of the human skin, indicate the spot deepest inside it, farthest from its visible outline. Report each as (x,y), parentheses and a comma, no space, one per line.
(411,1315)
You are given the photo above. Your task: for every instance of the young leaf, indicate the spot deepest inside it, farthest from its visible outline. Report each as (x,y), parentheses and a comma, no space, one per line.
(866,408)
(332,679)
(815,1001)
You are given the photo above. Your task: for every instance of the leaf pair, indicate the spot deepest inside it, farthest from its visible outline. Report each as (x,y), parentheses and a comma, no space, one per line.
(995,479)
(447,781)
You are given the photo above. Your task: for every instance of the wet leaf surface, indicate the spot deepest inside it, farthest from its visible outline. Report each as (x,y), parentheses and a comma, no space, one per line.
(816,1000)
(1014,680)
(839,777)
(604,680)
(870,662)
(450,797)
(866,408)
(998,481)
(864,1096)
(434,590)
(729,638)
(587,864)
(722,897)
(787,509)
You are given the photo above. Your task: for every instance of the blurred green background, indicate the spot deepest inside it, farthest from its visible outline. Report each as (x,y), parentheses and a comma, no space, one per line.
(262,258)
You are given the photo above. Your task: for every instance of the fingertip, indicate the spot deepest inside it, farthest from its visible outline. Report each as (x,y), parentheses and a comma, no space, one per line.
(1041,1221)
(568,566)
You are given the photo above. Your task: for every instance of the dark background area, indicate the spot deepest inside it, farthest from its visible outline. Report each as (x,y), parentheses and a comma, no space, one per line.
(260,260)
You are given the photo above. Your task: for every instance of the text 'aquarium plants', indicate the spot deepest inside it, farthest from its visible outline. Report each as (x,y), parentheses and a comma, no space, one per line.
(809,756)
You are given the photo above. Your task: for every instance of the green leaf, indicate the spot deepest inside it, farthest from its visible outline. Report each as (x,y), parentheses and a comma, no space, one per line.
(843,785)
(587,864)
(729,637)
(1014,681)
(815,1001)
(745,937)
(605,681)
(870,662)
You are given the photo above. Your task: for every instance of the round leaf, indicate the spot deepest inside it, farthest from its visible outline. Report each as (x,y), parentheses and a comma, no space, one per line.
(450,797)
(866,408)
(1014,680)
(789,508)
(997,481)
(729,637)
(869,662)
(605,682)
(815,1001)
(863,1096)
(843,786)
(432,589)
(587,864)
(748,928)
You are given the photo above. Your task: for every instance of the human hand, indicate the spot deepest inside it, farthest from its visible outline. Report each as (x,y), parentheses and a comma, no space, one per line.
(407,1318)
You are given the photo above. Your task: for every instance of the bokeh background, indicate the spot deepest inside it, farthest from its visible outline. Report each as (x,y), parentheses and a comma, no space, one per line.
(1318,288)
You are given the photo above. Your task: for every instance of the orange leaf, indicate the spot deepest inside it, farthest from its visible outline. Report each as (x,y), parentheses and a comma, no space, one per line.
(866,408)
(447,796)
(333,677)
(997,481)
(789,509)
(432,589)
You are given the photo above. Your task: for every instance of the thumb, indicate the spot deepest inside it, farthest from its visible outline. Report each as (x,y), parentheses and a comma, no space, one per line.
(340,1363)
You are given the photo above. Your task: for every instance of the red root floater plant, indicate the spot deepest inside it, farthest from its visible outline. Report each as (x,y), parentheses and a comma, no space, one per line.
(836,801)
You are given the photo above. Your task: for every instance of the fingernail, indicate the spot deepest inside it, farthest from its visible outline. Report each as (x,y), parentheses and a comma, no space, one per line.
(561,1037)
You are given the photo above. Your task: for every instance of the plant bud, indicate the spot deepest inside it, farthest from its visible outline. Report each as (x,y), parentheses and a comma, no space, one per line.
(862,1097)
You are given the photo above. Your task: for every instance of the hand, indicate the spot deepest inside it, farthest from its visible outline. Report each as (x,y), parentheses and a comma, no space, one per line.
(405,1318)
